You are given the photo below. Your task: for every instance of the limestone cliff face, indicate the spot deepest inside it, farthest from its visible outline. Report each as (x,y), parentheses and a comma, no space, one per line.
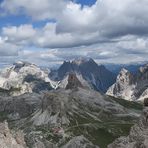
(9,140)
(138,136)
(123,86)
(23,77)
(131,87)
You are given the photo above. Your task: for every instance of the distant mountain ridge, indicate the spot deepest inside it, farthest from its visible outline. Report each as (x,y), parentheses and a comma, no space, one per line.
(132,67)
(96,75)
(24,77)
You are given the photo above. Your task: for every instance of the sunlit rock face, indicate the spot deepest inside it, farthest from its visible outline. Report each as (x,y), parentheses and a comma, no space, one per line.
(123,86)
(129,86)
(23,77)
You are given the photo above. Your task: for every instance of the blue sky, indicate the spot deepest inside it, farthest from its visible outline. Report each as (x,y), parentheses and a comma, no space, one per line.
(23,19)
(109,31)
(85,2)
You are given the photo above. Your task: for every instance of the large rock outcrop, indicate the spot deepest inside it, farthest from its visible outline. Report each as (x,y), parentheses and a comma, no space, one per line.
(138,137)
(9,139)
(24,77)
(131,87)
(73,82)
(124,85)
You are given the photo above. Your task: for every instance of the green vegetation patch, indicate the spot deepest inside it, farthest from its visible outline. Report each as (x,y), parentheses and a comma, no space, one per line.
(126,103)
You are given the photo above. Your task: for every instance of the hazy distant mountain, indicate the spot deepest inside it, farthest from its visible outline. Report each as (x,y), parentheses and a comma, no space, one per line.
(129,86)
(116,68)
(96,75)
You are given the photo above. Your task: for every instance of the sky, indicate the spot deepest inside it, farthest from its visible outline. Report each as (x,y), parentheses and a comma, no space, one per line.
(48,32)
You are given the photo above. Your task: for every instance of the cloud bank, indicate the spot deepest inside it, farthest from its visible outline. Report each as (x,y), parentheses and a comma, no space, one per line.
(109,30)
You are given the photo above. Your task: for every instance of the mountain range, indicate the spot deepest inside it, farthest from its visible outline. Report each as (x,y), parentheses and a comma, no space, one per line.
(97,76)
(132,67)
(24,77)
(79,105)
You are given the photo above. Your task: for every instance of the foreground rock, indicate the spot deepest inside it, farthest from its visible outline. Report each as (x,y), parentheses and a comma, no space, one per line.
(57,118)
(138,137)
(9,140)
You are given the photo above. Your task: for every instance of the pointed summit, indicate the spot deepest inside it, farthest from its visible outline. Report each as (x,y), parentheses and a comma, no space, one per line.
(122,86)
(98,77)
(73,82)
(82,60)
(125,77)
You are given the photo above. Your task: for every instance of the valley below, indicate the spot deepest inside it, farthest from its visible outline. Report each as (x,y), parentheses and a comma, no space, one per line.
(61,116)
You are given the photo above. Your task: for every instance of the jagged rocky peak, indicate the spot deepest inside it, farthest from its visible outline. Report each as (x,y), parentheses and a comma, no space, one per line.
(143,73)
(144,69)
(9,140)
(73,82)
(24,77)
(82,60)
(125,77)
(138,136)
(129,86)
(98,77)
(19,67)
(123,85)
(20,64)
